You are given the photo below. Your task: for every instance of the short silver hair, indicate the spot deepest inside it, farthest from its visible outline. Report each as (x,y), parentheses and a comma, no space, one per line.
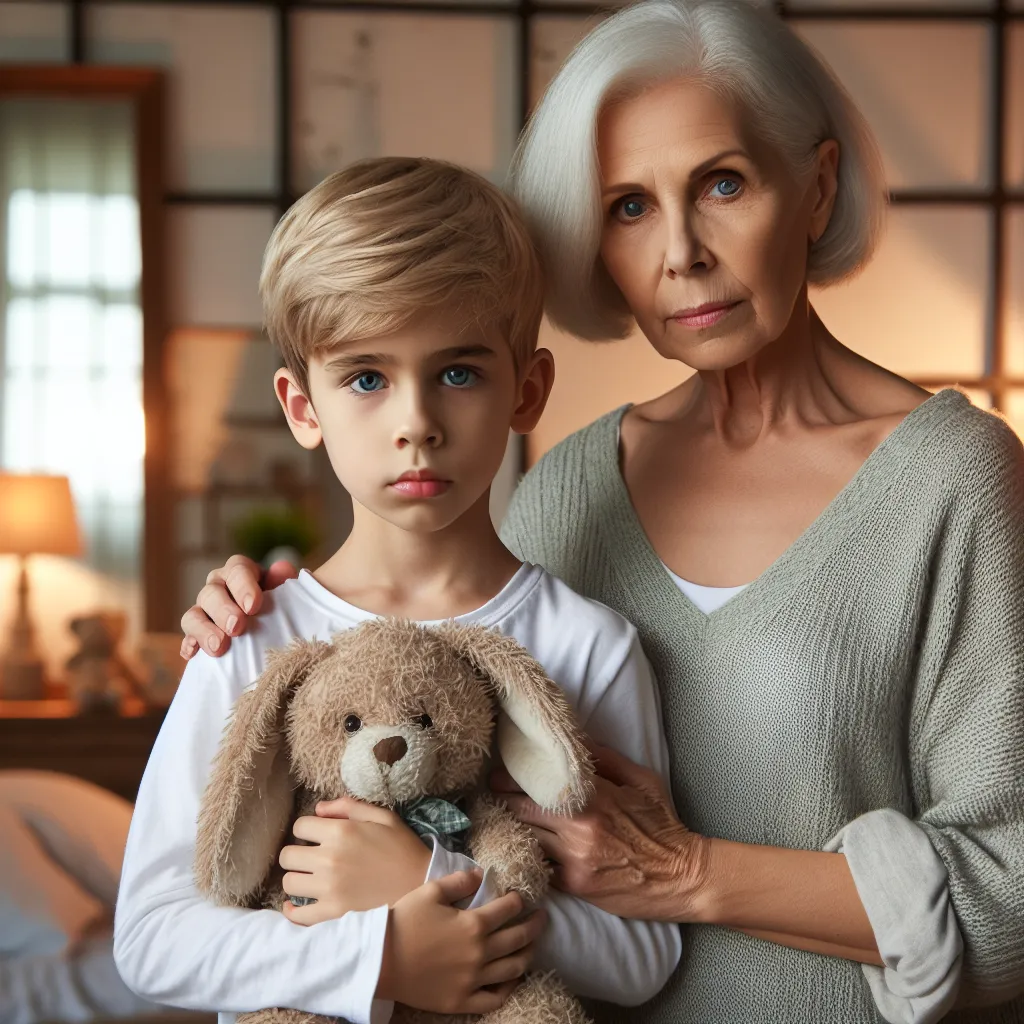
(735,46)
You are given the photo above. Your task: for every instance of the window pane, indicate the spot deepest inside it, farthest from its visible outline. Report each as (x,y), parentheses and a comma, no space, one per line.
(440,86)
(215,257)
(1014,315)
(33,33)
(1015,410)
(222,100)
(551,41)
(924,89)
(1014,136)
(920,307)
(982,399)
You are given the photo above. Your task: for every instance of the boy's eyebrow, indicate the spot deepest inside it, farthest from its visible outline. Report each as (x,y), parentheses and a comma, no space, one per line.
(351,360)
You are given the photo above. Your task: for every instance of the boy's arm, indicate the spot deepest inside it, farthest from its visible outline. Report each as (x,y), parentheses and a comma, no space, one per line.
(174,947)
(597,954)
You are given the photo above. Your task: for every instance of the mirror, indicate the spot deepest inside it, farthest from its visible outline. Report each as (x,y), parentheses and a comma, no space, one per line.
(82,333)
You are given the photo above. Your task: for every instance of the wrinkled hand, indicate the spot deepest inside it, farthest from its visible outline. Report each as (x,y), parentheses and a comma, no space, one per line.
(627,852)
(364,857)
(231,593)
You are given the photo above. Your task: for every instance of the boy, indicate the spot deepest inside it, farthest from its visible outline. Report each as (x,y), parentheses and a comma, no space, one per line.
(405,297)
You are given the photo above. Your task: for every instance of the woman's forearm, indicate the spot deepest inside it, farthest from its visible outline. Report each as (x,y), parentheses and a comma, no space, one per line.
(800,898)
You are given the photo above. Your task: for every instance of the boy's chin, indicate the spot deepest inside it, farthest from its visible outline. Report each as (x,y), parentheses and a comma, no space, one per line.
(425,516)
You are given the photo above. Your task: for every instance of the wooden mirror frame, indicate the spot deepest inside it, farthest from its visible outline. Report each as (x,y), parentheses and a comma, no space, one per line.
(144,88)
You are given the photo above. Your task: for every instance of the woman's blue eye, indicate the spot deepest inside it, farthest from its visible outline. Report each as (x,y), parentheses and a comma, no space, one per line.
(632,208)
(366,383)
(729,187)
(459,377)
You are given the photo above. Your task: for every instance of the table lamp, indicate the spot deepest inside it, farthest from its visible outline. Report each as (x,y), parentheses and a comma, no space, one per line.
(37,516)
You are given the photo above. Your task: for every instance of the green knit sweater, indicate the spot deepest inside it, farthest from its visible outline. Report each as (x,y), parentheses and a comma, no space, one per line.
(879,663)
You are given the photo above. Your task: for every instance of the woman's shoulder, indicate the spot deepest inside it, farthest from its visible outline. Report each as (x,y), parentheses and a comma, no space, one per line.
(968,444)
(598,439)
(554,497)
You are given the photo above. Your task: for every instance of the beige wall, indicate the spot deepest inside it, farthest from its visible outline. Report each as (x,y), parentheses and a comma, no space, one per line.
(592,378)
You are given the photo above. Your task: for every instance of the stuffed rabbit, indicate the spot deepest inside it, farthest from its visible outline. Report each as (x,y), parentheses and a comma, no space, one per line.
(403,716)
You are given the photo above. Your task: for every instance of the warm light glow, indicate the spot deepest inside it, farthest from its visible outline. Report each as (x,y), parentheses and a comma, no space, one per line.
(37,516)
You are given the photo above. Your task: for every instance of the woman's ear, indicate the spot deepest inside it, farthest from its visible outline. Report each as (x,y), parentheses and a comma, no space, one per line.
(535,384)
(248,799)
(298,409)
(826,187)
(538,738)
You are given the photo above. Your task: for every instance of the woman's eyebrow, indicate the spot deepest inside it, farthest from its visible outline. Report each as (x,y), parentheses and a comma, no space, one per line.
(701,169)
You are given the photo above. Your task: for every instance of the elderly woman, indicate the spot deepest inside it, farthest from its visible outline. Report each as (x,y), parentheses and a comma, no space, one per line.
(825,563)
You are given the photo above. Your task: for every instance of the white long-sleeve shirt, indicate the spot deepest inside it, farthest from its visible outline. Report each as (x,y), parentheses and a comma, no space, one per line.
(174,947)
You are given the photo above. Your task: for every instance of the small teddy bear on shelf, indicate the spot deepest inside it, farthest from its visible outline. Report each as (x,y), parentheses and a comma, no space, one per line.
(407,717)
(98,678)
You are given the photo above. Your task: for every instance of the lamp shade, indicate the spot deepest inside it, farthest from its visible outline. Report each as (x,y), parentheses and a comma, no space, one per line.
(37,516)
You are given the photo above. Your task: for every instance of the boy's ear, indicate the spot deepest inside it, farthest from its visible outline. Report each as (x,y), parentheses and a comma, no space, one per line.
(298,410)
(534,389)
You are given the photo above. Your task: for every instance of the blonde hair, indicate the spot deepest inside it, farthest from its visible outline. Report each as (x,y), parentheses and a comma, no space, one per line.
(391,240)
(738,47)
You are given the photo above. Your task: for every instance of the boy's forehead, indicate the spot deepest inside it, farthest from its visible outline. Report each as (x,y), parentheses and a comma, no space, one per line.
(414,342)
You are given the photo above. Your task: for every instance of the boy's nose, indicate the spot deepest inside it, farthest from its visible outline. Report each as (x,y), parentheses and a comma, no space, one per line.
(390,750)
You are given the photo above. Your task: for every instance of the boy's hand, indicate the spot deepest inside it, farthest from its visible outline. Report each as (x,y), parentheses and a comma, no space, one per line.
(445,960)
(365,857)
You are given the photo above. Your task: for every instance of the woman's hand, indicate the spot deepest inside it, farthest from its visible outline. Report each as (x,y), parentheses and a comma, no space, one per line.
(627,852)
(365,857)
(231,593)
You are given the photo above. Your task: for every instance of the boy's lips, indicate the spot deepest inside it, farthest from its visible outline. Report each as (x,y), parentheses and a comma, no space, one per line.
(420,483)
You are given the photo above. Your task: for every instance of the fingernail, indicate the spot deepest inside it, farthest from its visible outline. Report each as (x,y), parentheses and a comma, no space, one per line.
(248,603)
(214,643)
(232,622)
(183,650)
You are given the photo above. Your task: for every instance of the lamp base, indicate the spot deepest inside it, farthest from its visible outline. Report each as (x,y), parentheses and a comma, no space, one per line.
(22,679)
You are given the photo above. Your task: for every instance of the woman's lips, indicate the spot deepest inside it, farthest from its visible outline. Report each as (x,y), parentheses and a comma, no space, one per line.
(703,316)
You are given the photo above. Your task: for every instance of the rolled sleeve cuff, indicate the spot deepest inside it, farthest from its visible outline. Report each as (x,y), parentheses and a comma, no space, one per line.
(904,887)
(444,862)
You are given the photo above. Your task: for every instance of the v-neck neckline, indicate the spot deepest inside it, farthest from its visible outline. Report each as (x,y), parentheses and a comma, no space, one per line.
(799,557)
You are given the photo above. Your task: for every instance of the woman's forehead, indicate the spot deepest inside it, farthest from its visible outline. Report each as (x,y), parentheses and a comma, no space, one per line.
(681,121)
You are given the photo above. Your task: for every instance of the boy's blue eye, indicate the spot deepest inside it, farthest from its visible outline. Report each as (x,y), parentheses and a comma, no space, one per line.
(459,377)
(366,383)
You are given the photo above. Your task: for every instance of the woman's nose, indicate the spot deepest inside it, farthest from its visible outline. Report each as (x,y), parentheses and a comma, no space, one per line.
(685,251)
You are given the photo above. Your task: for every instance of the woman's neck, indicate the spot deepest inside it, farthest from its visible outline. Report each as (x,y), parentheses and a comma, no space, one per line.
(798,378)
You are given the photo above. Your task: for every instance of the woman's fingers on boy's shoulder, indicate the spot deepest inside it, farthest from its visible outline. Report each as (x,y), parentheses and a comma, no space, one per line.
(201,632)
(279,572)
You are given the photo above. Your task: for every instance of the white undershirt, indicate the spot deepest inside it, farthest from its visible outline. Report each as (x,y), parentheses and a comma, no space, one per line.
(707,599)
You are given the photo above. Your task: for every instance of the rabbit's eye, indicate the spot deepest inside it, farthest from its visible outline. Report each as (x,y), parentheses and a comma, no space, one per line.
(424,721)
(353,723)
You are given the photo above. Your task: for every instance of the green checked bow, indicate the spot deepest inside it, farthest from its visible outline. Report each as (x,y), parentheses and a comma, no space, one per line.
(434,816)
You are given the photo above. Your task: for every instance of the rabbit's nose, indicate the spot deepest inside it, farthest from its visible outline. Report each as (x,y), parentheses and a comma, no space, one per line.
(390,750)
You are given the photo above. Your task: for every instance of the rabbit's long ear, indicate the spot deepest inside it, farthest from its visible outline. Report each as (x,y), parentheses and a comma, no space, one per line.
(248,799)
(538,737)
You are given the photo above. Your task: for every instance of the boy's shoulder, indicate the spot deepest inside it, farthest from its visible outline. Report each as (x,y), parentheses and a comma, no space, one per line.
(556,621)
(287,612)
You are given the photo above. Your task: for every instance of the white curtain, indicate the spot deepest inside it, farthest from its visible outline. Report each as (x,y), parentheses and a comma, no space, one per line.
(71,324)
